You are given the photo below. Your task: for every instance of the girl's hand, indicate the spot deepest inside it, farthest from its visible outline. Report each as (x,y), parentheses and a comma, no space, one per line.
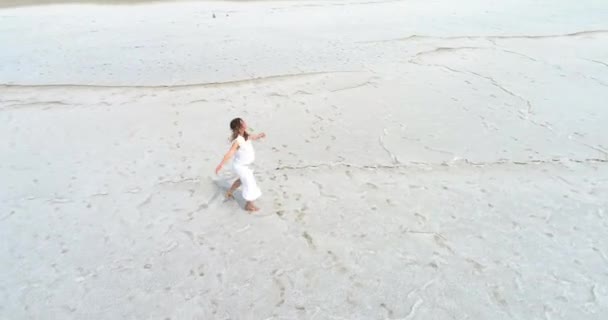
(218,169)
(261,135)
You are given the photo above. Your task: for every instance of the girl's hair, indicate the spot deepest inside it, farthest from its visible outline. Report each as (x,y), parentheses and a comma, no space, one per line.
(236,125)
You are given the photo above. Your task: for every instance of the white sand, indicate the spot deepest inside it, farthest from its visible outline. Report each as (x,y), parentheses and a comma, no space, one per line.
(424,160)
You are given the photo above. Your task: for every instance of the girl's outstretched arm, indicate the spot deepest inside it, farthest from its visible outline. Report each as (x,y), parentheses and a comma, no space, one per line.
(227,157)
(257,136)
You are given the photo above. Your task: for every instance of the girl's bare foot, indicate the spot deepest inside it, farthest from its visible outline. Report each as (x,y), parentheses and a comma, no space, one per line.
(251,207)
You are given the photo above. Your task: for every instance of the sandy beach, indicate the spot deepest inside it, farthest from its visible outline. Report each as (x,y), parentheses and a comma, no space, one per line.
(423,160)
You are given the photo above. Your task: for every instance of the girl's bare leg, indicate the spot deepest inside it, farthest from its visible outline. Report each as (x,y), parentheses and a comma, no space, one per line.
(234,186)
(251,207)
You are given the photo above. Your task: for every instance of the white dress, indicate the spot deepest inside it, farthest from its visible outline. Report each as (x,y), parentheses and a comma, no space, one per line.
(245,155)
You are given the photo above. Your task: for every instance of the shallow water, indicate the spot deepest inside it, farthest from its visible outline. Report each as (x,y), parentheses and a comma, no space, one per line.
(23,3)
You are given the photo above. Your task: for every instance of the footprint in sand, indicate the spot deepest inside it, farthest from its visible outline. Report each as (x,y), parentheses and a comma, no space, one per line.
(309,240)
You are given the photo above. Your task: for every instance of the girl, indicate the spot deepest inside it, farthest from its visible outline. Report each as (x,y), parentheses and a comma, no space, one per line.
(244,154)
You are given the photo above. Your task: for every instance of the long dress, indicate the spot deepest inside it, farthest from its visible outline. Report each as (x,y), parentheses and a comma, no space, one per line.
(245,155)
